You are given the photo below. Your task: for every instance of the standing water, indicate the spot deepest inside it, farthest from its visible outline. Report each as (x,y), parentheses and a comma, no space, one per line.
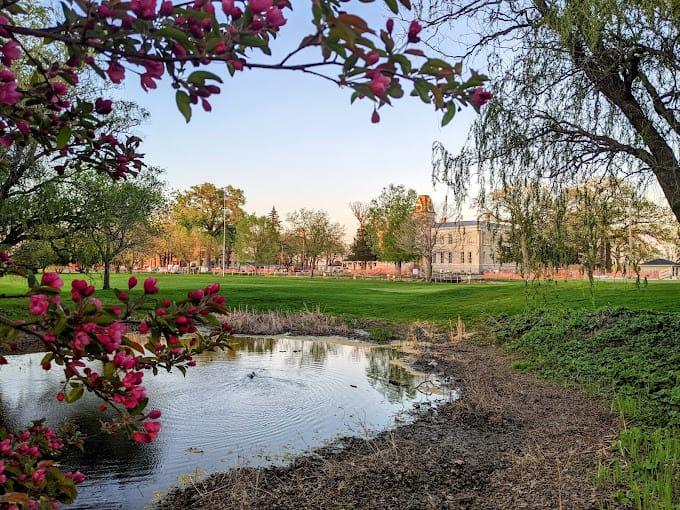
(260,403)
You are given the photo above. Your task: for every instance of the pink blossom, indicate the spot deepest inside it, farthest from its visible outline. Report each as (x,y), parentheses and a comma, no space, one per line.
(259,5)
(195,295)
(116,72)
(143,328)
(141,437)
(213,288)
(150,286)
(11,51)
(389,25)
(152,428)
(372,57)
(23,127)
(132,282)
(275,17)
(375,117)
(480,96)
(60,396)
(166,8)
(413,31)
(37,304)
(230,9)
(9,93)
(77,477)
(52,280)
(103,106)
(80,341)
(379,84)
(144,9)
(39,475)
(154,414)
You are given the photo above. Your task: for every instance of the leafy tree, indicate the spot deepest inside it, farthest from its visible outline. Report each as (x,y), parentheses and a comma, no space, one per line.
(535,239)
(386,219)
(600,225)
(116,216)
(257,240)
(587,90)
(173,242)
(202,207)
(314,235)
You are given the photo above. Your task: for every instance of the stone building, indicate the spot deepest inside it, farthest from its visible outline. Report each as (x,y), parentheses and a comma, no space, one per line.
(467,247)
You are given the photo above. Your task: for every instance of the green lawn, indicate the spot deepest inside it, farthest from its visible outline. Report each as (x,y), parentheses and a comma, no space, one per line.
(394,301)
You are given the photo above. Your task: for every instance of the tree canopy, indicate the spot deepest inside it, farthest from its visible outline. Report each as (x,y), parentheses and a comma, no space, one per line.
(582,90)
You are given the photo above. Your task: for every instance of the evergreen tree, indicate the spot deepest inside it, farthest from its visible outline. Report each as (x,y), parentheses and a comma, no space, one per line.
(361,248)
(274,219)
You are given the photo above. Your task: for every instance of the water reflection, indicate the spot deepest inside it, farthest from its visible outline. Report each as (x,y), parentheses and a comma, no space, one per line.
(301,393)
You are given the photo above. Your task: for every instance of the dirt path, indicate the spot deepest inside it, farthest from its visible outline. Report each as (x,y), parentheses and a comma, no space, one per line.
(510,442)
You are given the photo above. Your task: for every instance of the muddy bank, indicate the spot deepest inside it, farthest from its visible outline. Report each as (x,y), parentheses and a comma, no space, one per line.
(510,441)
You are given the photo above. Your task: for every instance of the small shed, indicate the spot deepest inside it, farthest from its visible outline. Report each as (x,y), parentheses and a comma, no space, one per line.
(665,268)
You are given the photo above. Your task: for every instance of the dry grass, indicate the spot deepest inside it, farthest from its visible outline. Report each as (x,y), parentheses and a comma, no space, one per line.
(306,322)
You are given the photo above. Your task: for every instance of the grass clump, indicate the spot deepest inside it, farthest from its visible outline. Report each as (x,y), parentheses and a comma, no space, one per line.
(631,358)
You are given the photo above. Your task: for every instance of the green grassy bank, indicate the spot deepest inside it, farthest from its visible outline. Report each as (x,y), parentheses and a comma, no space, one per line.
(399,302)
(631,358)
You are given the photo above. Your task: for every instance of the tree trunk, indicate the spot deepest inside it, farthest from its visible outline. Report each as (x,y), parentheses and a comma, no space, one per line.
(428,269)
(107,275)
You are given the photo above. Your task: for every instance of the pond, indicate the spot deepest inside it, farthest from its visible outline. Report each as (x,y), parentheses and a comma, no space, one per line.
(302,393)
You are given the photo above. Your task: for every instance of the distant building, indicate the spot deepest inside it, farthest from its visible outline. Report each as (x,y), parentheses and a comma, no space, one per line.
(664,268)
(467,247)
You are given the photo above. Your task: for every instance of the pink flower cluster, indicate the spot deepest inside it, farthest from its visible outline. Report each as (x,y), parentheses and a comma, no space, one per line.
(479,97)
(76,334)
(25,465)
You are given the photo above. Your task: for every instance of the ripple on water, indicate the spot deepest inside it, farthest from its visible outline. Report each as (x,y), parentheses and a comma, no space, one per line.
(303,392)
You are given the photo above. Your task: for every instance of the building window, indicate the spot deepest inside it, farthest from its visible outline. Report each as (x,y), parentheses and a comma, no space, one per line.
(441,257)
(469,257)
(450,257)
(450,238)
(462,257)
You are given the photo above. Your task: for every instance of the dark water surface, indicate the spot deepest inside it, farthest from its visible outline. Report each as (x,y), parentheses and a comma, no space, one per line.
(217,417)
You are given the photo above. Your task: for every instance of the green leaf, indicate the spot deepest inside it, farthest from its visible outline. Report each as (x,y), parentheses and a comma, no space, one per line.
(392,4)
(448,116)
(404,62)
(199,77)
(183,104)
(422,88)
(74,394)
(251,40)
(63,137)
(176,35)
(140,407)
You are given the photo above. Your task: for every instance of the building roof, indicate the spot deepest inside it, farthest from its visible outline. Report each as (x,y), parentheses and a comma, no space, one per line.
(471,223)
(660,262)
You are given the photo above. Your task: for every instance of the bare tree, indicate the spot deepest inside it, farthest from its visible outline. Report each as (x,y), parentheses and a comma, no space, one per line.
(360,210)
(421,232)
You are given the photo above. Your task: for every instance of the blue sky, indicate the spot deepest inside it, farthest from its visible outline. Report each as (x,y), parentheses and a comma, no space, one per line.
(292,140)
